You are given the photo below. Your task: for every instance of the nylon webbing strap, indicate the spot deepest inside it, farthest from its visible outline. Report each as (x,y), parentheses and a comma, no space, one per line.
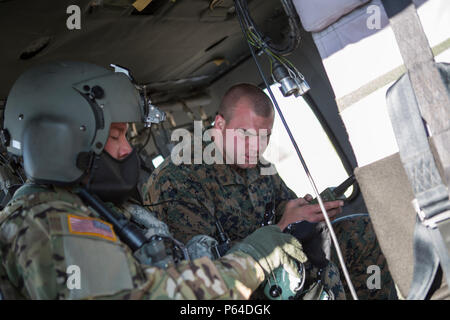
(429,89)
(432,199)
(421,92)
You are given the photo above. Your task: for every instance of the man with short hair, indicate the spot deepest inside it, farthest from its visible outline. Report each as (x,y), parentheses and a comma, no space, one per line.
(237,197)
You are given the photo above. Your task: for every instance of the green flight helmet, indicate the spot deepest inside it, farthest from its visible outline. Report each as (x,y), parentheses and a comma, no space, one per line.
(58,115)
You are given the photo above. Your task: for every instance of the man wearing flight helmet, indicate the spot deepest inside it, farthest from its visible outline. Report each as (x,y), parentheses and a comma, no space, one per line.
(58,239)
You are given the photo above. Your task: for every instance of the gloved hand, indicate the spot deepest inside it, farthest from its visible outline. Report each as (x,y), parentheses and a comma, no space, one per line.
(311,237)
(272,248)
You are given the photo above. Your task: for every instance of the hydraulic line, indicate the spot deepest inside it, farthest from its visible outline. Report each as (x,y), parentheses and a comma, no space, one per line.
(239,12)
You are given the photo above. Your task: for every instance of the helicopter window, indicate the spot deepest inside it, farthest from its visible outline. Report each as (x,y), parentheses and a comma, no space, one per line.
(319,153)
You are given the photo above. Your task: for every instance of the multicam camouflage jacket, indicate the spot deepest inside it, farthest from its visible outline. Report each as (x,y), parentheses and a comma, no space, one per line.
(52,246)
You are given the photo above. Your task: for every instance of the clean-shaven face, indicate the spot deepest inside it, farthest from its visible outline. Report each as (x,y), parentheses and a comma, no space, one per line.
(117,144)
(246,135)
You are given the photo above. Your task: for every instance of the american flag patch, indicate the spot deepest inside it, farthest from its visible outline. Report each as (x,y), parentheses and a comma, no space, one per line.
(91,227)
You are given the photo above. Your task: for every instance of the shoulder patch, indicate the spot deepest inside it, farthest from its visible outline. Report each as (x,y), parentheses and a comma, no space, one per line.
(90,227)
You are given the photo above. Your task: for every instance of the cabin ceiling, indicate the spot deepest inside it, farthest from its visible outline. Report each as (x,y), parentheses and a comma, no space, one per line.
(174,46)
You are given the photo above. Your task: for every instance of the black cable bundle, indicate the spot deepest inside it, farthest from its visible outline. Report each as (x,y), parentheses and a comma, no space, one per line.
(284,48)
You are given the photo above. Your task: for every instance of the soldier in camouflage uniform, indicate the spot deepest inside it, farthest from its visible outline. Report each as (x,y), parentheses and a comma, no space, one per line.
(190,198)
(54,246)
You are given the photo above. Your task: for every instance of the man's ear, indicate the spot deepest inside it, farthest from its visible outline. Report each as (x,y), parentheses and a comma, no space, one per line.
(219,122)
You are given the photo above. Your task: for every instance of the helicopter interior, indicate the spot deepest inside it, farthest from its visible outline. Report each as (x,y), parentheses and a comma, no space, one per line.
(186,54)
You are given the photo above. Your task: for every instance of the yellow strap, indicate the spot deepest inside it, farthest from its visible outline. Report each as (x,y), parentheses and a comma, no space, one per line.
(214,3)
(219,61)
(171,119)
(202,112)
(141,4)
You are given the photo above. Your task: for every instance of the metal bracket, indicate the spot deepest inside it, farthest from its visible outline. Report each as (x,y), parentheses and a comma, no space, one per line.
(154,115)
(433,221)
